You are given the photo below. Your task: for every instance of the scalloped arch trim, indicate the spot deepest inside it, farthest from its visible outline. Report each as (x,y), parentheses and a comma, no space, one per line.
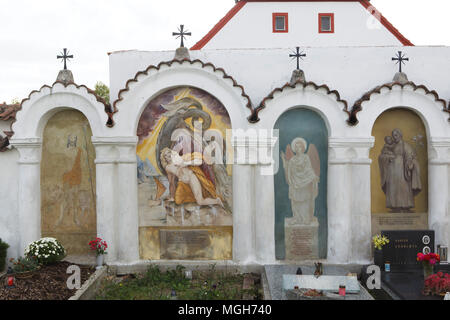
(180,62)
(357,107)
(300,83)
(107,109)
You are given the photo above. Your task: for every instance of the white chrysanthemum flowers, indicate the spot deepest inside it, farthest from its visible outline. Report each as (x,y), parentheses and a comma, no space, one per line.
(46,250)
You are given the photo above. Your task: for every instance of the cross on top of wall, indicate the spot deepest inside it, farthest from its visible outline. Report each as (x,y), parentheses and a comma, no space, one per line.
(400,58)
(65,56)
(297,55)
(181,34)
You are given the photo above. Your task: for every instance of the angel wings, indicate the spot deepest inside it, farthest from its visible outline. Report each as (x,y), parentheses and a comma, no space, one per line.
(312,153)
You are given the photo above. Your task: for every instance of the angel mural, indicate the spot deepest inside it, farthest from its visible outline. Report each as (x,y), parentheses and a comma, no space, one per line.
(302,172)
(189,186)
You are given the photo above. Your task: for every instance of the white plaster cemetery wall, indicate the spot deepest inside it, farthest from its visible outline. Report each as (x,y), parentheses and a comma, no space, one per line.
(152,83)
(8,194)
(339,169)
(27,140)
(8,199)
(438,134)
(351,71)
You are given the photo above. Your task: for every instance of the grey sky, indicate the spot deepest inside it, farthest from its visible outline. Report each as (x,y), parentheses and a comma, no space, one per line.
(33,32)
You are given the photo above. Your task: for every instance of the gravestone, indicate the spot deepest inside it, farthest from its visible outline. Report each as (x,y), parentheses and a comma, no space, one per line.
(322,283)
(403,247)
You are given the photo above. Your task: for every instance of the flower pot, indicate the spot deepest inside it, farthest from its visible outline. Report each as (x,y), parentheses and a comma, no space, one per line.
(378,258)
(427,270)
(100,261)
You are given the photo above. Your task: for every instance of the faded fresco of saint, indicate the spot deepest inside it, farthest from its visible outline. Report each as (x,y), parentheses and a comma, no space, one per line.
(182,173)
(302,172)
(400,173)
(68,199)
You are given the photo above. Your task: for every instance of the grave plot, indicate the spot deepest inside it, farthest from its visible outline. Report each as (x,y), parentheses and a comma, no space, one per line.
(47,283)
(304,282)
(404,275)
(179,285)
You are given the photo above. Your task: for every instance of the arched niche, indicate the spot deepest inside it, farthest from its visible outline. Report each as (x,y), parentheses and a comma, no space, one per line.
(28,130)
(185,211)
(153,81)
(301,213)
(399,172)
(68,181)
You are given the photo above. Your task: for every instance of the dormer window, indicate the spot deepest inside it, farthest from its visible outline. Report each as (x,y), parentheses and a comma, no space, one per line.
(280,22)
(326,22)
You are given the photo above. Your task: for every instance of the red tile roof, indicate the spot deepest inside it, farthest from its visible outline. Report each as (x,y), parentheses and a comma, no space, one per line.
(8,111)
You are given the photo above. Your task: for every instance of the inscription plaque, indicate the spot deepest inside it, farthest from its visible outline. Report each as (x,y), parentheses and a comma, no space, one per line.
(185,244)
(396,221)
(302,242)
(404,246)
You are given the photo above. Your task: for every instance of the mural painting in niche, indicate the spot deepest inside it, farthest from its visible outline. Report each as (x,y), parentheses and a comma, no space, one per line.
(183,178)
(300,187)
(302,179)
(399,172)
(68,201)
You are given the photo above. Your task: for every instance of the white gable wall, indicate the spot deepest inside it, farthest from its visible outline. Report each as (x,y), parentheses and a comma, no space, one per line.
(252,27)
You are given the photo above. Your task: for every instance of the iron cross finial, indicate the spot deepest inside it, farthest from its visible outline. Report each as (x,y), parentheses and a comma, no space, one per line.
(182,34)
(400,58)
(65,56)
(297,55)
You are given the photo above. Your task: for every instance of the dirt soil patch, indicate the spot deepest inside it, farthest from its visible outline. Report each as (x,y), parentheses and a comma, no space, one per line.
(47,283)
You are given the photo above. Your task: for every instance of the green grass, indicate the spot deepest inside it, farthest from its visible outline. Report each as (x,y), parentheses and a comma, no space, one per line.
(158,285)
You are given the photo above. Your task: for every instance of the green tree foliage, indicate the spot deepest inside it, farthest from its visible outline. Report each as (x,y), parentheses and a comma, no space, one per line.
(102,91)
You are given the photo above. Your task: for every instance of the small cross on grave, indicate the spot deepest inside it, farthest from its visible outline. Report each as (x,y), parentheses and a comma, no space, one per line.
(65,56)
(400,58)
(297,55)
(181,34)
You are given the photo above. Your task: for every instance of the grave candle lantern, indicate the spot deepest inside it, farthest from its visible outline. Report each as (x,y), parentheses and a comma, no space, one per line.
(10,280)
(387,266)
(342,290)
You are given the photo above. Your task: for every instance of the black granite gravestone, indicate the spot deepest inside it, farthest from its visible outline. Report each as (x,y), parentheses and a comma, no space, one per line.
(403,247)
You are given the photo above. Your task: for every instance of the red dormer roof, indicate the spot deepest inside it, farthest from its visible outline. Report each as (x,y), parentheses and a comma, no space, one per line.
(239,5)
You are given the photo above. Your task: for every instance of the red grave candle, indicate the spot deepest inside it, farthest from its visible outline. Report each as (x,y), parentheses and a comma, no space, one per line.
(342,290)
